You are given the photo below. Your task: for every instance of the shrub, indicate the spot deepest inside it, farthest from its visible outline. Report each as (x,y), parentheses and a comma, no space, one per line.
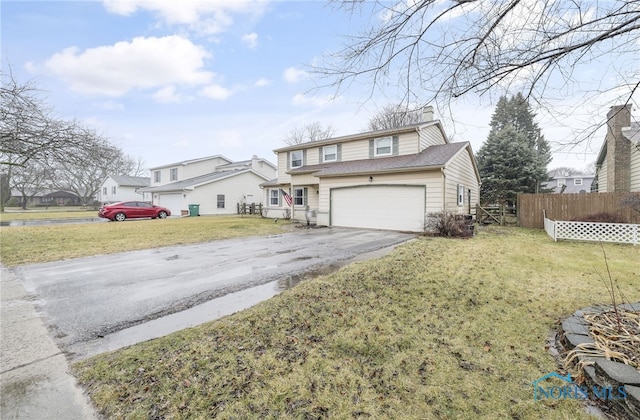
(602,217)
(448,225)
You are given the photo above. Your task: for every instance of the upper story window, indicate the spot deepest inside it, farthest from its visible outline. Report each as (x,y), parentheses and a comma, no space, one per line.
(173,174)
(296,159)
(577,181)
(330,153)
(104,190)
(382,146)
(156,176)
(562,182)
(113,190)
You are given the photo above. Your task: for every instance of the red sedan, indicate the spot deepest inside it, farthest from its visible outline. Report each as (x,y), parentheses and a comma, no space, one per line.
(132,210)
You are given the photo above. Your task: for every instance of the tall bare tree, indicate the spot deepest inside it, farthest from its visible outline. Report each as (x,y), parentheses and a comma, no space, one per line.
(310,132)
(394,116)
(440,50)
(29,179)
(83,170)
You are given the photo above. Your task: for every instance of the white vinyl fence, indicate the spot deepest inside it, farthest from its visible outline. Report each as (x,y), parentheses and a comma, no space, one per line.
(625,233)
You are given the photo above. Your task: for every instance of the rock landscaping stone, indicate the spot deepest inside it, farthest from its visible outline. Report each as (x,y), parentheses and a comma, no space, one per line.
(618,372)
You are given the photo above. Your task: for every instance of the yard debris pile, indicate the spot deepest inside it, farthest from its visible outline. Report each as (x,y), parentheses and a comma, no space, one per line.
(616,336)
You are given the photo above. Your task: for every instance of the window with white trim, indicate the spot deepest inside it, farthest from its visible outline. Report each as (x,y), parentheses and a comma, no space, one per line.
(562,182)
(382,146)
(156,176)
(220,200)
(296,159)
(173,174)
(577,181)
(461,195)
(104,190)
(274,198)
(300,196)
(113,190)
(330,153)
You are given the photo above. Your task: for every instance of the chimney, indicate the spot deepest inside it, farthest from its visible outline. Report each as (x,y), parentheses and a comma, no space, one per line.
(618,149)
(427,114)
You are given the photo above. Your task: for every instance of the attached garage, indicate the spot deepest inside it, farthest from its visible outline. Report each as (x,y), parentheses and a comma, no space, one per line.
(390,207)
(173,202)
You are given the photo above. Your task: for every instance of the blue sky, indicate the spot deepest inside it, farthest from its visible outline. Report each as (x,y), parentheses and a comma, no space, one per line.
(174,80)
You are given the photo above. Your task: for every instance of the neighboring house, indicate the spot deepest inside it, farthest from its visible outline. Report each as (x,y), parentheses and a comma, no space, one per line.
(215,183)
(388,179)
(123,188)
(47,198)
(569,184)
(618,163)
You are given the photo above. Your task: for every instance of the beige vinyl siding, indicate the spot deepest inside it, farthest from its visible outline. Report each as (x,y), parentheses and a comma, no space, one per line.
(408,143)
(460,171)
(431,179)
(283,176)
(603,177)
(191,170)
(431,136)
(312,202)
(355,150)
(304,180)
(634,173)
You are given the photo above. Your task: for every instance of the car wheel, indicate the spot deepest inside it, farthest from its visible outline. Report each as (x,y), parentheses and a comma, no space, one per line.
(162,215)
(120,217)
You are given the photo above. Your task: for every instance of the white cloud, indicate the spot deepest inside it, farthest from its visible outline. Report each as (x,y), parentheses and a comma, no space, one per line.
(294,75)
(250,39)
(110,105)
(206,16)
(262,82)
(301,99)
(143,63)
(167,95)
(216,92)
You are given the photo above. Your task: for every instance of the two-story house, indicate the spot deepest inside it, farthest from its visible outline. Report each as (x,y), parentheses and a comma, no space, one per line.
(123,188)
(215,183)
(569,184)
(389,179)
(618,163)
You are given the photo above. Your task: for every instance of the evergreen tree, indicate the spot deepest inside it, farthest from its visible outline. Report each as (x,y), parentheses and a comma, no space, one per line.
(515,156)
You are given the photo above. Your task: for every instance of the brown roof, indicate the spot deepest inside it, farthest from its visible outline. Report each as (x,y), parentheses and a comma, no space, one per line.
(431,157)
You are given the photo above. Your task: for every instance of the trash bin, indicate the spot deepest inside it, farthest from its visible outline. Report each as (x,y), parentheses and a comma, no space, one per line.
(194,210)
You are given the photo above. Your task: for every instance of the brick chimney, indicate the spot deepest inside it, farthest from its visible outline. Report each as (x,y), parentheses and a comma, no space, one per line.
(618,149)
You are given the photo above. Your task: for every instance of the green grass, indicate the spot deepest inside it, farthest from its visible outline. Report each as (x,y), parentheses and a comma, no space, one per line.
(53,212)
(439,328)
(34,244)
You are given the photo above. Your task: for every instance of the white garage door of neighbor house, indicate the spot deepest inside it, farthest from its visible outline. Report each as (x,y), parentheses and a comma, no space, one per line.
(171,201)
(392,207)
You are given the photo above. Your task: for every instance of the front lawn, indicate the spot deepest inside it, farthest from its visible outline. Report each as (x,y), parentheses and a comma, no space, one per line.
(439,328)
(35,244)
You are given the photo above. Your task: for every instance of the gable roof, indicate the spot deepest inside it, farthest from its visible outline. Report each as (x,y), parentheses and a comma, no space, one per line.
(131,181)
(187,162)
(191,183)
(365,135)
(432,157)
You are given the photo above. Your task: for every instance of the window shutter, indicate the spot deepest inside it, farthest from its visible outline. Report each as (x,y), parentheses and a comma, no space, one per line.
(371,146)
(288,160)
(304,157)
(339,153)
(394,146)
(320,155)
(304,193)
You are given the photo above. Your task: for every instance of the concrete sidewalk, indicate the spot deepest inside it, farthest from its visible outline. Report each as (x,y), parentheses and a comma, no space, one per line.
(35,382)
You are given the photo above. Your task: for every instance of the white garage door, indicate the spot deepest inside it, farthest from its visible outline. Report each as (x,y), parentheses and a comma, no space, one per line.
(392,207)
(173,202)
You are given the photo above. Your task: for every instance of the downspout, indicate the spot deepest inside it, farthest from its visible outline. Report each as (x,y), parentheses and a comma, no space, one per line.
(444,191)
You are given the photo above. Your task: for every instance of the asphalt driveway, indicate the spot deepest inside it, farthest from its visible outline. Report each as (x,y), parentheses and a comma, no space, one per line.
(86,299)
